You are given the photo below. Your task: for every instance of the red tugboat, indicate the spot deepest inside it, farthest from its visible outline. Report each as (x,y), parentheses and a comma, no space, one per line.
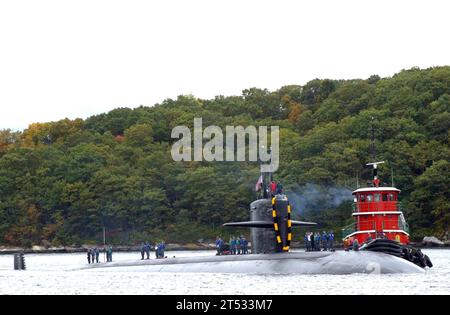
(377,214)
(379,223)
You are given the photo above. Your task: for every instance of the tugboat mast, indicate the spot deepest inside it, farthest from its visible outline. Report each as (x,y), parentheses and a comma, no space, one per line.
(375,181)
(373,147)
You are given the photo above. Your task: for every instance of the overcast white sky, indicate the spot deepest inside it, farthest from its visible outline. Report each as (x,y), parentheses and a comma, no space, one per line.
(79,58)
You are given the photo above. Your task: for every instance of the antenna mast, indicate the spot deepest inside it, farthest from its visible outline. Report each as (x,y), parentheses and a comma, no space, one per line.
(392,177)
(372,128)
(375,181)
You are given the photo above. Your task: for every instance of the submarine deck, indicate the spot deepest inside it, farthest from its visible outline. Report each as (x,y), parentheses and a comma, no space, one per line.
(280,263)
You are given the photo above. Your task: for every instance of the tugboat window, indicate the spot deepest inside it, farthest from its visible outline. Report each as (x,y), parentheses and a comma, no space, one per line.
(362,198)
(369,198)
(391,197)
(377,197)
(385,197)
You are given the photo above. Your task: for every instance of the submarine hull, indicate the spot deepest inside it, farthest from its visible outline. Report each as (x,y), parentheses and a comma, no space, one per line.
(338,263)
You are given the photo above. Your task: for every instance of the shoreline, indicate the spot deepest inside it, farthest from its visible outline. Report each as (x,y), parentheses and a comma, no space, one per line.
(169,247)
(82,249)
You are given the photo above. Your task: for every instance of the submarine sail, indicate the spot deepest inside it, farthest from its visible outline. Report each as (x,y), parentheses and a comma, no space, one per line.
(271,225)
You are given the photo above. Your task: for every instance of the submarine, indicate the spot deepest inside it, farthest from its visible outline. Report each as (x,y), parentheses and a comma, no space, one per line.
(271,236)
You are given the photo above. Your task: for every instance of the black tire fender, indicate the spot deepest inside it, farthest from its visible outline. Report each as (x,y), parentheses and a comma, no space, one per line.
(428,261)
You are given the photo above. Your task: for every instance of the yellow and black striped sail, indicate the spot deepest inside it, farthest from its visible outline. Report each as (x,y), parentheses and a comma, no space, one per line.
(282,223)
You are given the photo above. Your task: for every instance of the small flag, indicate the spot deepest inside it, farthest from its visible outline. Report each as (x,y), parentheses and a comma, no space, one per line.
(259,183)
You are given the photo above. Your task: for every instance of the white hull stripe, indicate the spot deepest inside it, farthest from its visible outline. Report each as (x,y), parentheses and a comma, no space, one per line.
(376,189)
(373,231)
(396,231)
(377,212)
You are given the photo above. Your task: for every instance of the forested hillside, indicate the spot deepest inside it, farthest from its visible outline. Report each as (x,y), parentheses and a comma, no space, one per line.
(61,182)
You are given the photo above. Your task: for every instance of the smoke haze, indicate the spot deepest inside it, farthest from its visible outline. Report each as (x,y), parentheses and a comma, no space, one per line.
(311,197)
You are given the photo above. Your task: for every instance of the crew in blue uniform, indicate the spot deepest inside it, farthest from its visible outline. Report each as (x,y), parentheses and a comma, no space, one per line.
(97,254)
(157,250)
(162,248)
(244,243)
(238,246)
(331,241)
(317,242)
(279,188)
(219,245)
(93,255)
(324,240)
(233,245)
(109,251)
(147,250)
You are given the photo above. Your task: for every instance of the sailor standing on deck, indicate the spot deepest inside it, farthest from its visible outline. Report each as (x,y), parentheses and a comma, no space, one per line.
(244,246)
(233,245)
(97,255)
(355,245)
(163,248)
(147,250)
(238,246)
(218,245)
(317,241)
(92,255)
(265,191)
(273,188)
(324,241)
(157,250)
(331,241)
(108,253)
(142,251)
(279,188)
(306,239)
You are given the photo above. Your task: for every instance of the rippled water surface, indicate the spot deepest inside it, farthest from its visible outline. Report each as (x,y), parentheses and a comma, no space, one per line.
(57,274)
